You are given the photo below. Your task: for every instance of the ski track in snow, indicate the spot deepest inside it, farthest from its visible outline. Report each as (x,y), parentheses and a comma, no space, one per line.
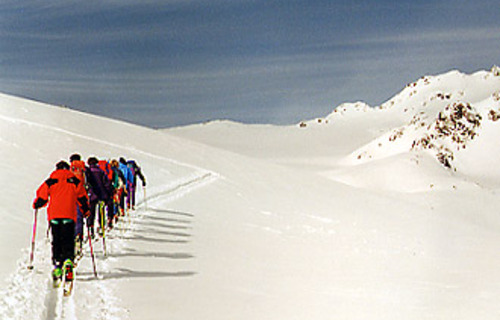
(181,187)
(30,295)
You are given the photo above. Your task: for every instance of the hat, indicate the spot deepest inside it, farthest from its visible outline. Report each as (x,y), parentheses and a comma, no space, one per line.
(75,157)
(92,161)
(62,165)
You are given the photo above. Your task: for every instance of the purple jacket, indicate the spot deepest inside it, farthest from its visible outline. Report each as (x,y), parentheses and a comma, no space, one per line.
(100,186)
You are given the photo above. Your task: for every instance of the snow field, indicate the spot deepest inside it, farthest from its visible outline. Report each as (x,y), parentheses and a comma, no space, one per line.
(336,218)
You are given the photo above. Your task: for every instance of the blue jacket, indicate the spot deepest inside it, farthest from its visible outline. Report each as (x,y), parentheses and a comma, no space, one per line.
(129,178)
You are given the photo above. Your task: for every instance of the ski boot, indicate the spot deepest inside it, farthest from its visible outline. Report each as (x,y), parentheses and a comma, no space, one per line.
(68,268)
(56,276)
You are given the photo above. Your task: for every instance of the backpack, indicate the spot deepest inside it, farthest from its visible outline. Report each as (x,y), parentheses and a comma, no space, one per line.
(106,167)
(78,169)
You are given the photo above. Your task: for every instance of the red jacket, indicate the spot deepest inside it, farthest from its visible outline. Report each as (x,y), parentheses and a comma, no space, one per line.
(62,191)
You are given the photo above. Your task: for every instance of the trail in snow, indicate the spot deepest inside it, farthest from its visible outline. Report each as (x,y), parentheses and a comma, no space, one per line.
(30,294)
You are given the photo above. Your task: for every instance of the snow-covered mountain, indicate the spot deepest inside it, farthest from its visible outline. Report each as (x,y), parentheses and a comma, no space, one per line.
(444,115)
(451,118)
(369,213)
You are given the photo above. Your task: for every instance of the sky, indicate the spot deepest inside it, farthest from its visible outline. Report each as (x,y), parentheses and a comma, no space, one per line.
(166,63)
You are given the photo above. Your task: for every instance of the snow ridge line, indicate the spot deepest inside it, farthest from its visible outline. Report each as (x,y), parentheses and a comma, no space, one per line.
(96,140)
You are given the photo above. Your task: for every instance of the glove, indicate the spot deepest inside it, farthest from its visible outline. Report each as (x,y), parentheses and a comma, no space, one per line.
(144,183)
(86,214)
(39,202)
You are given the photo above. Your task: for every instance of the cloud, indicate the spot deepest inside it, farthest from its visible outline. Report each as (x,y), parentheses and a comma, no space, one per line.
(246,60)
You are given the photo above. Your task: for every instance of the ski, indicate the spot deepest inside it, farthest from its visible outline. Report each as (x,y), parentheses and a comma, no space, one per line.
(68,288)
(56,283)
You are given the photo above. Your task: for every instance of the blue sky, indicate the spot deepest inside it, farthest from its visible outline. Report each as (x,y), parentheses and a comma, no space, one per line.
(175,62)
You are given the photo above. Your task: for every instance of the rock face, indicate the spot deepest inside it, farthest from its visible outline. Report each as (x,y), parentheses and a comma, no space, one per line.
(455,126)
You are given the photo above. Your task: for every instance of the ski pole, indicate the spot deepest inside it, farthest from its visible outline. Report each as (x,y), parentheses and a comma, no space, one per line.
(91,248)
(145,199)
(103,226)
(33,237)
(47,235)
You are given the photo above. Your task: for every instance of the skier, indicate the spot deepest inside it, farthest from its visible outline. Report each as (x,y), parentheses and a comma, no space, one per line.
(100,189)
(79,170)
(106,167)
(63,193)
(118,183)
(136,172)
(128,180)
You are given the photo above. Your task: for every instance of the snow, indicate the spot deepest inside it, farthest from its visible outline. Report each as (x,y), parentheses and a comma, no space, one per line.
(341,217)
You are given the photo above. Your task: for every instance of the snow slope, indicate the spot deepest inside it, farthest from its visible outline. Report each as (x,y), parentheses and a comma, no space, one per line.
(34,137)
(441,115)
(334,219)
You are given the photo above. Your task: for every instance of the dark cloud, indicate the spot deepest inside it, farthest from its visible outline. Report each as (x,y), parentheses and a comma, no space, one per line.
(166,63)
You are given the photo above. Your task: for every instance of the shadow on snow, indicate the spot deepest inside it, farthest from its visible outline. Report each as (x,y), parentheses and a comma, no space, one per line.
(124,273)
